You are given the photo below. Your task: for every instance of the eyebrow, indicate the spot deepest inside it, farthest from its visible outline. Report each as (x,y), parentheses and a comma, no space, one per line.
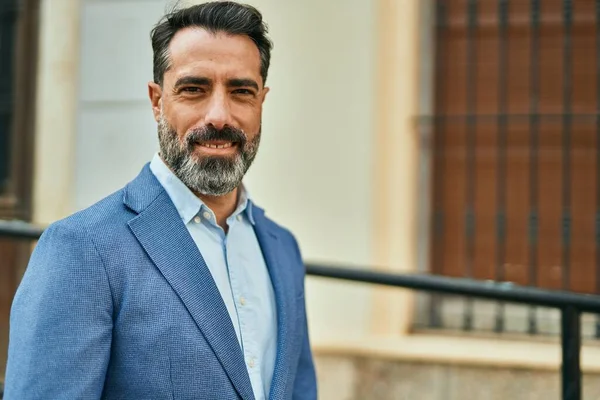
(237,82)
(192,80)
(203,81)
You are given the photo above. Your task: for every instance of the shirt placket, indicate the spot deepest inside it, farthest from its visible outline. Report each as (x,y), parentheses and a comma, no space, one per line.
(242,303)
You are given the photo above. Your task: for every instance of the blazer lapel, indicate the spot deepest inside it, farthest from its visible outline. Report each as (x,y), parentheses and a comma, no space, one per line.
(283,287)
(161,232)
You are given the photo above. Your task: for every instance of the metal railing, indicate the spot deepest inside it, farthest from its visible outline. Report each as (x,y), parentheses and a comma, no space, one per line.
(571,305)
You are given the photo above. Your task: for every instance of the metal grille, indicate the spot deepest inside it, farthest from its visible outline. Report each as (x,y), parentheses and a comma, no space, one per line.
(8,18)
(516,134)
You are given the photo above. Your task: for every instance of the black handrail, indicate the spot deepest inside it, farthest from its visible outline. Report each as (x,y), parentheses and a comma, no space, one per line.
(20,230)
(493,290)
(570,304)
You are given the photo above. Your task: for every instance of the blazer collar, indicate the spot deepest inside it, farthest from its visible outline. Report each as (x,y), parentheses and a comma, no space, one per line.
(278,263)
(142,191)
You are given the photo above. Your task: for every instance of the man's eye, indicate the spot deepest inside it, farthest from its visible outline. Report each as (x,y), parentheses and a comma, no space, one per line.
(243,91)
(192,90)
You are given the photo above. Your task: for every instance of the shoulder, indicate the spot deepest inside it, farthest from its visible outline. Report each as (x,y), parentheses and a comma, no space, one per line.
(97,220)
(111,214)
(66,256)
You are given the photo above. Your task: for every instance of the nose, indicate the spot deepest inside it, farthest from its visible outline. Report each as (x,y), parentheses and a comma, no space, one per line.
(218,113)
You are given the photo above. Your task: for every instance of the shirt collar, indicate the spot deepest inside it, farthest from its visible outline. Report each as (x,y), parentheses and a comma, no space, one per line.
(188,205)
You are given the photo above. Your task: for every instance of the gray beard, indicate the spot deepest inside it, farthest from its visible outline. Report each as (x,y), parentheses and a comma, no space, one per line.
(210,176)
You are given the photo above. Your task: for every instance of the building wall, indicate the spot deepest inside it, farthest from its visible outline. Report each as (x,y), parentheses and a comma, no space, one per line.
(340,163)
(358,378)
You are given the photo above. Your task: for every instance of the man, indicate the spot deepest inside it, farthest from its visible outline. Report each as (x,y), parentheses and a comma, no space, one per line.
(176,286)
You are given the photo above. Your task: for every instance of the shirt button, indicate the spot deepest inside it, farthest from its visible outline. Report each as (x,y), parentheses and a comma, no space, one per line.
(239,217)
(251,363)
(206,214)
(197,219)
(242,301)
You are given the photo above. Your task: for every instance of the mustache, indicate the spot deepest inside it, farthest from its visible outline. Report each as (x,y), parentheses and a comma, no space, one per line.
(210,133)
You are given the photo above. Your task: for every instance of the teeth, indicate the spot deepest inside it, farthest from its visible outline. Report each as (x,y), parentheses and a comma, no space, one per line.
(217,146)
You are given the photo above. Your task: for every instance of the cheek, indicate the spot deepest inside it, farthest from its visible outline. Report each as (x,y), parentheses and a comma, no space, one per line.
(250,120)
(182,118)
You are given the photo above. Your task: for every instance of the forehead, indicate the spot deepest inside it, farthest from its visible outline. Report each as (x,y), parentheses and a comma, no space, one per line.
(195,51)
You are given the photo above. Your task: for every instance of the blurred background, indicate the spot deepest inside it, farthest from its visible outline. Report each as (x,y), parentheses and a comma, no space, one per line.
(451,137)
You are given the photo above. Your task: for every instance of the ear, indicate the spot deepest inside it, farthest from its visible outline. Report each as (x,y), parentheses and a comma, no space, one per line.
(155,94)
(265,90)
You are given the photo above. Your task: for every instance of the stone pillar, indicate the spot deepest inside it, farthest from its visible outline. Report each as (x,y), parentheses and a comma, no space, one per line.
(396,154)
(56,109)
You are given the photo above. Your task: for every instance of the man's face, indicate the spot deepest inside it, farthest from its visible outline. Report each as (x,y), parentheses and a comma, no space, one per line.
(209,109)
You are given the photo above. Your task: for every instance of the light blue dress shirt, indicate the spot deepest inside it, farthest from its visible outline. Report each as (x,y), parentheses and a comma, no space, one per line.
(237,265)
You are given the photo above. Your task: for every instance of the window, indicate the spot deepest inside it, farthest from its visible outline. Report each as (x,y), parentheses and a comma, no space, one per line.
(8,11)
(516,193)
(18,51)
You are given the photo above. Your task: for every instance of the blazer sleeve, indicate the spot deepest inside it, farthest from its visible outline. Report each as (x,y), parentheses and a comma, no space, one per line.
(61,321)
(305,384)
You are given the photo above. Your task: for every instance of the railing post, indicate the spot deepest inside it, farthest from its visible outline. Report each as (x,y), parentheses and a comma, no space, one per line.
(571,348)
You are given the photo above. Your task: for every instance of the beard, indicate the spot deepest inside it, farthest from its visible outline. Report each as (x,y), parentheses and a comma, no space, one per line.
(207,175)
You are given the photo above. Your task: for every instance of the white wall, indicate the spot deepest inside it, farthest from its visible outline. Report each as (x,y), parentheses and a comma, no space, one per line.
(315,166)
(116,130)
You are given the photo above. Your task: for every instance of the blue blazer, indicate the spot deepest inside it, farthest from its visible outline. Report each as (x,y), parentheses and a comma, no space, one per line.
(117,303)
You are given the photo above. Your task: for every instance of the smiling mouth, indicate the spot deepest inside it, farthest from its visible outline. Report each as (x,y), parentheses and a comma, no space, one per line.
(218,146)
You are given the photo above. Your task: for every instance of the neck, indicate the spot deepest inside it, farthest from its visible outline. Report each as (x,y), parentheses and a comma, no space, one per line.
(221,206)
